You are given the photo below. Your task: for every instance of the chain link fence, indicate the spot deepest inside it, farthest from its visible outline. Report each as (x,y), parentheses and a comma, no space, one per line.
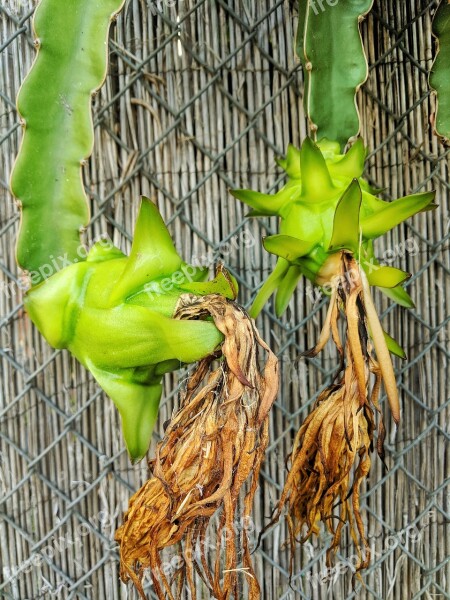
(202,96)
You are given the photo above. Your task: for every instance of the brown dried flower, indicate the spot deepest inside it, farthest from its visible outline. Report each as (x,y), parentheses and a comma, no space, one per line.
(211,451)
(331,452)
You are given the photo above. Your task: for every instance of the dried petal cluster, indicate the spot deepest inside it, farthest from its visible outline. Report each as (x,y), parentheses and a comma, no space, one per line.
(331,452)
(211,452)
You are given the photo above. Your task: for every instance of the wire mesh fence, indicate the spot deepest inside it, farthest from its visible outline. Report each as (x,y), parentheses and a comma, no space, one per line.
(202,96)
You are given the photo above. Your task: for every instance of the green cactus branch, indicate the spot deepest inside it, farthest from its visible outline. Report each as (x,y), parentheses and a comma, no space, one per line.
(440,71)
(55,105)
(330,49)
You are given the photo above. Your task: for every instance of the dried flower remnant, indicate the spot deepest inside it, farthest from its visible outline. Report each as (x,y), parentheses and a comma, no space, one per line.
(211,451)
(331,452)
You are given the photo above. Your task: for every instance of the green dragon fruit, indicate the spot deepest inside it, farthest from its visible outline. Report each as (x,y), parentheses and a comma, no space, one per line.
(114,313)
(326,207)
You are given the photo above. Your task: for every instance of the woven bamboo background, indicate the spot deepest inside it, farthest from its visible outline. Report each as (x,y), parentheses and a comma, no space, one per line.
(201,96)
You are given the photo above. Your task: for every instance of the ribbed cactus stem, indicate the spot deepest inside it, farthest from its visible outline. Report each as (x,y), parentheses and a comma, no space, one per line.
(54,103)
(440,71)
(331,51)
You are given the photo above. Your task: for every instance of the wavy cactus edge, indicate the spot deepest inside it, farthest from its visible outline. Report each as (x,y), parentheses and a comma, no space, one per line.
(58,133)
(331,103)
(439,76)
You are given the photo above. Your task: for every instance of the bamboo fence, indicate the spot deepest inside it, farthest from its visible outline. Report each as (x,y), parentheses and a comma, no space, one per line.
(202,96)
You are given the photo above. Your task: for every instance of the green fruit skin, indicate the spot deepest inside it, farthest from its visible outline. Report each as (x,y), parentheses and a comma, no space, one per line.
(326,206)
(114,313)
